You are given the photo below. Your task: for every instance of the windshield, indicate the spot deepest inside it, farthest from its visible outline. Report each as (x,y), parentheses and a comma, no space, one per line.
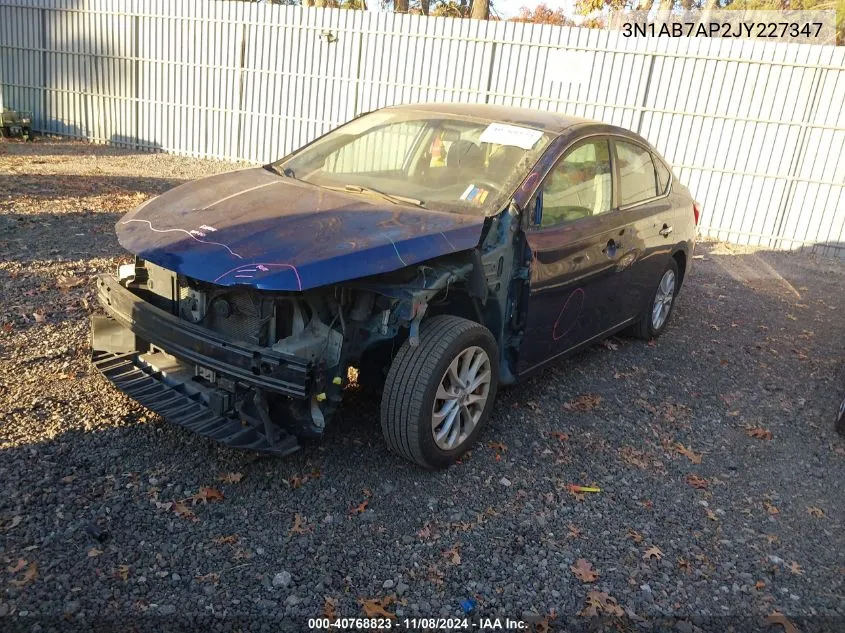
(439,162)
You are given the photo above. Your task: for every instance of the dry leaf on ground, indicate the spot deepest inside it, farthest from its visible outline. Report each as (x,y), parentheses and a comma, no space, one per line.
(300,526)
(779,618)
(184,511)
(207,494)
(226,540)
(599,603)
(453,555)
(687,452)
(634,536)
(212,577)
(377,607)
(584,402)
(653,552)
(697,482)
(758,433)
(584,571)
(29,575)
(230,478)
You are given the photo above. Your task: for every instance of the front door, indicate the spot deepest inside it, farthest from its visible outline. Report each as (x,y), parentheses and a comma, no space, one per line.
(582,251)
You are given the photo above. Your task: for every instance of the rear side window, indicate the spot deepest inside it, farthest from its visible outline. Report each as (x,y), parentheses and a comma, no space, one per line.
(663,175)
(637,178)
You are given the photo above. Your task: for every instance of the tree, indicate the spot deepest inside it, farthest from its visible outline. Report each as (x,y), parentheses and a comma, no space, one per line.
(542,14)
(480,10)
(400,6)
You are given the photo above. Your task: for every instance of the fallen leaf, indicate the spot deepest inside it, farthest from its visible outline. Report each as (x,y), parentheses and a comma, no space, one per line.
(759,585)
(771,509)
(39,317)
(816,512)
(212,577)
(184,511)
(498,446)
(634,536)
(711,515)
(574,531)
(299,525)
(684,565)
(687,452)
(632,456)
(599,603)
(8,327)
(563,437)
(795,568)
(94,552)
(226,540)
(779,618)
(609,344)
(584,402)
(758,433)
(230,478)
(696,482)
(361,507)
(207,494)
(29,575)
(14,569)
(653,552)
(330,609)
(66,282)
(453,555)
(584,571)
(377,607)
(123,572)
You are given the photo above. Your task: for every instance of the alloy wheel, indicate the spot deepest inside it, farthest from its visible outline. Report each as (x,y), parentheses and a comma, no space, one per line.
(663,300)
(461,398)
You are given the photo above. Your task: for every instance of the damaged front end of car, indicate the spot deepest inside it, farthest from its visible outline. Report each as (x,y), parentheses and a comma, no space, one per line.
(257,368)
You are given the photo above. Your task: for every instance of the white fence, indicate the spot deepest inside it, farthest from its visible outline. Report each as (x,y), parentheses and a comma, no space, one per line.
(756,129)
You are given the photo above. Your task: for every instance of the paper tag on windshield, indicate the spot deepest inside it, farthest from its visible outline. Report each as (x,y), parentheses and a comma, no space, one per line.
(503,134)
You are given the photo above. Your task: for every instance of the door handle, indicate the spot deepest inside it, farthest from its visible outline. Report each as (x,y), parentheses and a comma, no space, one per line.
(666,230)
(612,247)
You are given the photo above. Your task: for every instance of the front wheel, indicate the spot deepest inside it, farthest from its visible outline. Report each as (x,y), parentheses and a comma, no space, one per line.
(439,394)
(655,317)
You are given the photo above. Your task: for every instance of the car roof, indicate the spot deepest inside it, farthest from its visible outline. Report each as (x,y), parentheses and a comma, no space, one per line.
(549,121)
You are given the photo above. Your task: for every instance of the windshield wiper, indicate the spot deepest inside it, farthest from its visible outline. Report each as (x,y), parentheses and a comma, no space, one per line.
(391,197)
(287,171)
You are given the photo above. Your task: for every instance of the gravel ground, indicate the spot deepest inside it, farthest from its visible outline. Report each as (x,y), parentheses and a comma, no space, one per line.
(722,483)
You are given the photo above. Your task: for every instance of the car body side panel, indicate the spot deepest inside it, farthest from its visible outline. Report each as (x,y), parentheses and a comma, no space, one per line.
(258,229)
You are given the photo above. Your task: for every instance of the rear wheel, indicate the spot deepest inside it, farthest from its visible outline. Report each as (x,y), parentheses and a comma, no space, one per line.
(655,316)
(439,394)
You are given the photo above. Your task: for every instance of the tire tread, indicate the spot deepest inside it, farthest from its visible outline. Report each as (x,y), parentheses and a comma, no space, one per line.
(411,371)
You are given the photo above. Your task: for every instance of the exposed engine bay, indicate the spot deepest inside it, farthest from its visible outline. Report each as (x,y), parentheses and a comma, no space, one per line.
(306,341)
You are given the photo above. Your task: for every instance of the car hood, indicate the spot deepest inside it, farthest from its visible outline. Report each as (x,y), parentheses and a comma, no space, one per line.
(256,228)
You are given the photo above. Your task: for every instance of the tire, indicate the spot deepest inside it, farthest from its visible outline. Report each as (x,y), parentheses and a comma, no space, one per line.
(415,380)
(840,419)
(648,326)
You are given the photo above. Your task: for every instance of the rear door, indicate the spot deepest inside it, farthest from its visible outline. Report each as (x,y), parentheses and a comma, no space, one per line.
(644,200)
(581,254)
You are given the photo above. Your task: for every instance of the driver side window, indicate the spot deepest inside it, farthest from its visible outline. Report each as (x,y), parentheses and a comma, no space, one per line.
(579,186)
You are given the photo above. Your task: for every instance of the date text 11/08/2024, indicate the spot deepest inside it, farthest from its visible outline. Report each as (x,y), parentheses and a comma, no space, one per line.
(420,624)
